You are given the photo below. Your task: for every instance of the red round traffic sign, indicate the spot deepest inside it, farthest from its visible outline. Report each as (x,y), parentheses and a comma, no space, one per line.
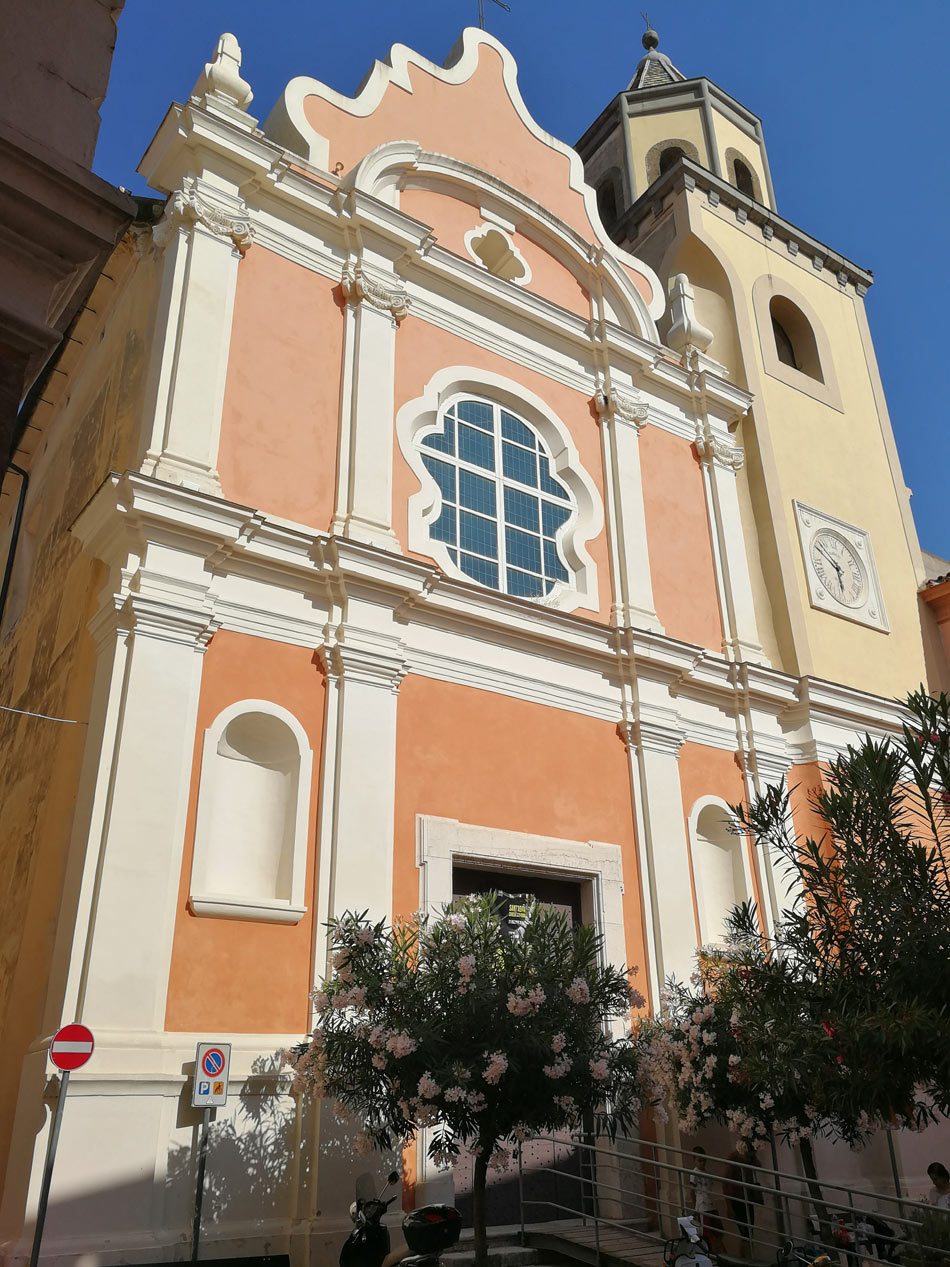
(212,1062)
(71,1047)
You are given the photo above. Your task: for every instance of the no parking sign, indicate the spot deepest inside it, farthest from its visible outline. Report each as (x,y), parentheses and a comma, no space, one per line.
(210,1087)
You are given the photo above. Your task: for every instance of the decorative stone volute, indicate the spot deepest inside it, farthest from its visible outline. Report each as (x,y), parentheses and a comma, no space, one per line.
(221,77)
(686,334)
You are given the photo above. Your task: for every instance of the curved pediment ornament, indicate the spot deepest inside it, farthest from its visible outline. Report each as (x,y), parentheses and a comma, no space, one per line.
(361,287)
(626,406)
(188,207)
(723,452)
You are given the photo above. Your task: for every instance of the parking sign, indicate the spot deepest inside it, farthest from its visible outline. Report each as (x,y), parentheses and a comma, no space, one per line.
(210,1087)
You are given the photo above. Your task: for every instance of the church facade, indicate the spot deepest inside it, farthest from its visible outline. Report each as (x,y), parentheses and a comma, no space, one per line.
(421,504)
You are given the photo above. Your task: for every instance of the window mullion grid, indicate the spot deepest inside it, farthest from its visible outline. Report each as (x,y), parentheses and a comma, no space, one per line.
(500,501)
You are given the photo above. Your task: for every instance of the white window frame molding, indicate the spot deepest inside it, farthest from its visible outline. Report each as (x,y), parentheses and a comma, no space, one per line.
(421,416)
(232,906)
(442,842)
(704,802)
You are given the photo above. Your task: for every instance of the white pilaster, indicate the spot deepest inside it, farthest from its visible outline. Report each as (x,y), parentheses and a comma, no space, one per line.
(657,744)
(365,668)
(622,417)
(722,461)
(203,235)
(376,303)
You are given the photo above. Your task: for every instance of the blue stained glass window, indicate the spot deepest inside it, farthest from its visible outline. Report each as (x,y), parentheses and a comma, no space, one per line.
(519,464)
(553,566)
(478,534)
(480,570)
(524,584)
(512,429)
(521,509)
(444,476)
(549,485)
(523,549)
(476,447)
(444,440)
(478,500)
(476,412)
(552,517)
(444,527)
(476,492)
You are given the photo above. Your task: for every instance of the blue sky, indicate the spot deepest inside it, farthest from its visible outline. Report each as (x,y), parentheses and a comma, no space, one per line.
(849,92)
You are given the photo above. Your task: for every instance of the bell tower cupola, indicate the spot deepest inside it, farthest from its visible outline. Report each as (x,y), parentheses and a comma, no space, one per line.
(661,117)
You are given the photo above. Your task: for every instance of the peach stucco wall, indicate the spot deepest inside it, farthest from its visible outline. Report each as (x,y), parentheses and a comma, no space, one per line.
(451,219)
(474,121)
(242,976)
(678,540)
(280,420)
(492,761)
(422,349)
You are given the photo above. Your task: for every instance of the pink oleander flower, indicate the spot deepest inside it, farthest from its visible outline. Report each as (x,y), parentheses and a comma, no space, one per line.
(365,937)
(428,1087)
(467,967)
(500,1159)
(443,1158)
(522,1133)
(388,987)
(566,1102)
(401,1045)
(456,922)
(733,1060)
(578,991)
(476,1101)
(518,1004)
(558,1042)
(379,1061)
(598,1069)
(558,1069)
(497,1064)
(454,1094)
(320,1001)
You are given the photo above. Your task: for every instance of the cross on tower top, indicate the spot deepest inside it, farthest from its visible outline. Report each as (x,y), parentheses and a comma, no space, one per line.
(481,10)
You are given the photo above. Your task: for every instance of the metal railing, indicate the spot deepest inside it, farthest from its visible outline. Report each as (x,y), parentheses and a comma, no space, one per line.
(848,1224)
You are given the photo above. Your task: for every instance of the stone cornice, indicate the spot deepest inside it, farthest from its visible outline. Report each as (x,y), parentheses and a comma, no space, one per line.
(686,175)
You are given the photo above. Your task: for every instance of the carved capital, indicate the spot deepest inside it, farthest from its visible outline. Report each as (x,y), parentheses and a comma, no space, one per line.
(723,452)
(385,296)
(624,406)
(188,207)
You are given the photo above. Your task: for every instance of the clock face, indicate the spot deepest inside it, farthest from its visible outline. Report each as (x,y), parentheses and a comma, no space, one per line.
(838,568)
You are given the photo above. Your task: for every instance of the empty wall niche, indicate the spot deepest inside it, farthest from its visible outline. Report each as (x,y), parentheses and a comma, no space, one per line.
(253,807)
(719,868)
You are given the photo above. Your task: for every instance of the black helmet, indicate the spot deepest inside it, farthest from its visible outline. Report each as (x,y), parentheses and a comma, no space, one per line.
(431,1228)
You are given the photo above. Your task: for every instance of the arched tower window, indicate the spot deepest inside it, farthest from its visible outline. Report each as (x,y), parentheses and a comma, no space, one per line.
(670,156)
(503,511)
(718,869)
(743,179)
(795,342)
(607,204)
(251,829)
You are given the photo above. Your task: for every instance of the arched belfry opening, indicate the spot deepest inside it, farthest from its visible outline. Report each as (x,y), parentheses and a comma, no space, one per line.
(795,342)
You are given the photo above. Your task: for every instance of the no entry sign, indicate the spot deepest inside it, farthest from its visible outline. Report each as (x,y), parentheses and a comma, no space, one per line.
(71,1047)
(210,1089)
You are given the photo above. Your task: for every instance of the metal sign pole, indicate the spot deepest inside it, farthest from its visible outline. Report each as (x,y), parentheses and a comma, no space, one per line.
(48,1171)
(200,1186)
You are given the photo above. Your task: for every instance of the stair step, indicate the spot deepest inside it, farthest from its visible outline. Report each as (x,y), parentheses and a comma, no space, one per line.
(499,1255)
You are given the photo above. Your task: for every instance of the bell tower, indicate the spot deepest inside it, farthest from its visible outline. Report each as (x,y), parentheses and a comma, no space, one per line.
(660,117)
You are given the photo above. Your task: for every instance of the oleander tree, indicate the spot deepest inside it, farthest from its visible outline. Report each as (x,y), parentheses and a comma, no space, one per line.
(482,1038)
(838,1022)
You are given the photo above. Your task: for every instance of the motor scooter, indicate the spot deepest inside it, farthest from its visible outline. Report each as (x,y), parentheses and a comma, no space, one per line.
(427,1231)
(368,1244)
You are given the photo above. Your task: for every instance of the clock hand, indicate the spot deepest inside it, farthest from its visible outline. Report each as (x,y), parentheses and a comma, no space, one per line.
(836,566)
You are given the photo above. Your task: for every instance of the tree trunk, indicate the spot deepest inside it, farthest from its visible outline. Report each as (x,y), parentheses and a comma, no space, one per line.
(817,1196)
(478,1209)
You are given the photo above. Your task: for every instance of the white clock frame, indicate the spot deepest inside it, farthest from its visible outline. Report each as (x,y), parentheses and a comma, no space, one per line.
(871,611)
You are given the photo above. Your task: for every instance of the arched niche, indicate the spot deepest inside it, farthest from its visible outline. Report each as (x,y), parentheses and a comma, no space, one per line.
(661,157)
(790,330)
(251,829)
(742,173)
(721,871)
(714,302)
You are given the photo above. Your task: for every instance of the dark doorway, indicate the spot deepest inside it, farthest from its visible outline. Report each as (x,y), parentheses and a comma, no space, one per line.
(552,1173)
